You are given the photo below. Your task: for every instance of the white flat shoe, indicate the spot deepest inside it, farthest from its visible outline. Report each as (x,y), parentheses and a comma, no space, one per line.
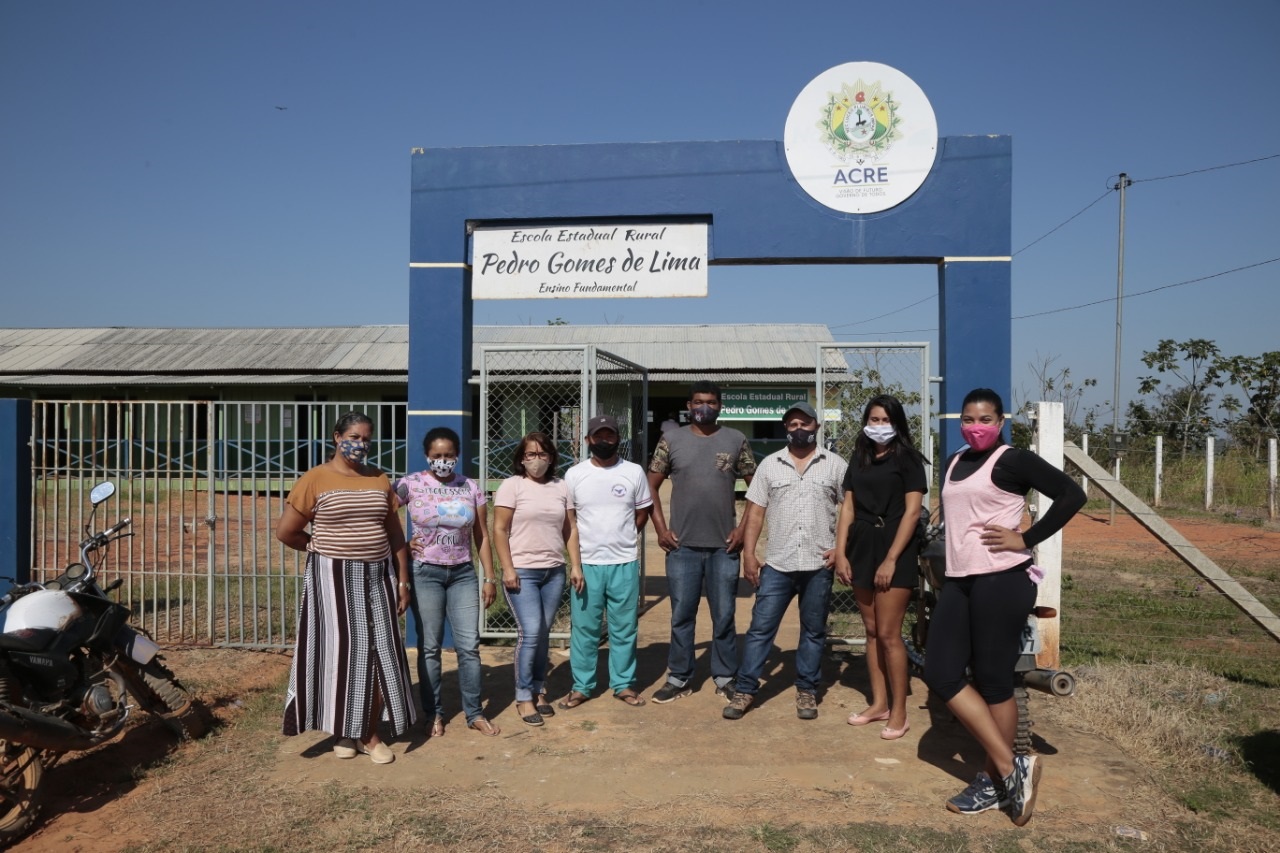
(345,747)
(380,753)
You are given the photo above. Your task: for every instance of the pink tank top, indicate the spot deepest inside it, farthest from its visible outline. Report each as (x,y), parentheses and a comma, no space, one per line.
(967,506)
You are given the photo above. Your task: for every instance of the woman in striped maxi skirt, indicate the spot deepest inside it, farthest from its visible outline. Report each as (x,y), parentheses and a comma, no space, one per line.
(349,668)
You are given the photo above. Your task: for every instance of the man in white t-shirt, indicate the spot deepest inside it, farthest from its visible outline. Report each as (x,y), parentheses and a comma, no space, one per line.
(612,499)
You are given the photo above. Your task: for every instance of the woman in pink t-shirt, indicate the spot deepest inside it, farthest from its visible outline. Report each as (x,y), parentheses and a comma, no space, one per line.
(534,529)
(447,511)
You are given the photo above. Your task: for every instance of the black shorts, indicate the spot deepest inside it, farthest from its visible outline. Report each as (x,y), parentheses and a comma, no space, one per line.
(869,545)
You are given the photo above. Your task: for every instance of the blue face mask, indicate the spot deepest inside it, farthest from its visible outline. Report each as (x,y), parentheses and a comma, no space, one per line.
(354,451)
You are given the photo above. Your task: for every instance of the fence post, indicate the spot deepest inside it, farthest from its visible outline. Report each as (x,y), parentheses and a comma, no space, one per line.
(1208,473)
(1084,446)
(1048,554)
(1271,478)
(1159,486)
(15,490)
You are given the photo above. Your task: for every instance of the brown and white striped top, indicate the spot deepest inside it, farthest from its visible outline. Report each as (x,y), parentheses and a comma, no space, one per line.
(348,514)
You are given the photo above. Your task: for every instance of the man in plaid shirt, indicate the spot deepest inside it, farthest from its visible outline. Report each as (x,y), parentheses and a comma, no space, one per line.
(798,491)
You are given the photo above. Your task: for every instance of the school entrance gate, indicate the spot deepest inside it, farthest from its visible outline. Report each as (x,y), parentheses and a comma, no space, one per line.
(554,390)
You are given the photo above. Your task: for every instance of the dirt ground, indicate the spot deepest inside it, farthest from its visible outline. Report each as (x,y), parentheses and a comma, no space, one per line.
(682,759)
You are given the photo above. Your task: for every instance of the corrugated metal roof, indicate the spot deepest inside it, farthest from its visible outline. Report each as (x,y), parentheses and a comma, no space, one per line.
(359,354)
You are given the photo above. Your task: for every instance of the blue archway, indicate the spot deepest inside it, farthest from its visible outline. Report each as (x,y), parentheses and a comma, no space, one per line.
(959,221)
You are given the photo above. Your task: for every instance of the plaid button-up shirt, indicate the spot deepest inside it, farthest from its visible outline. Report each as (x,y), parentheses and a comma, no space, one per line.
(799,509)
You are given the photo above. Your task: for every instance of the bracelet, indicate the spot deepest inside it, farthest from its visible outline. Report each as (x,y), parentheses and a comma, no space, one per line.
(404,584)
(490,580)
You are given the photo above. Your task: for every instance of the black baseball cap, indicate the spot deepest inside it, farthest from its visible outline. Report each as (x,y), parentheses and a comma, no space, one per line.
(600,422)
(802,408)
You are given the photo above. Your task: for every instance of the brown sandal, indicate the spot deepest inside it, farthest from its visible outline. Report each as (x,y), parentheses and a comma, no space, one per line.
(573,700)
(635,700)
(484,727)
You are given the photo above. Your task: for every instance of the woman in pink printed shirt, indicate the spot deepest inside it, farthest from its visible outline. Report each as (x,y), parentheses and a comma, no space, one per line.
(447,511)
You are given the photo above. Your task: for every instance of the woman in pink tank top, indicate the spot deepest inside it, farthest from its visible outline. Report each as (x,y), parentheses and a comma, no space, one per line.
(989,592)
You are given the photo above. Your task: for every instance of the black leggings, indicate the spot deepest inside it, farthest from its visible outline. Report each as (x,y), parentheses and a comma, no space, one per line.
(978,623)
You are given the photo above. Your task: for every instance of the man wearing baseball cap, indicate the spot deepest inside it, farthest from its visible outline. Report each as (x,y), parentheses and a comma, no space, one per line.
(798,491)
(612,499)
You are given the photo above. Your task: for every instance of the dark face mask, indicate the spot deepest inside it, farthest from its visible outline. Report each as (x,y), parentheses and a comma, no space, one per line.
(705,414)
(603,449)
(801,437)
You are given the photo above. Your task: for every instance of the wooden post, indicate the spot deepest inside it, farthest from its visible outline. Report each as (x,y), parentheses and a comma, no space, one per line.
(1208,473)
(1084,445)
(1271,478)
(1159,470)
(1048,554)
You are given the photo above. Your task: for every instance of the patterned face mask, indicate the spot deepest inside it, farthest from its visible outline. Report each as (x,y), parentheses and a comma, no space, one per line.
(354,451)
(705,414)
(442,467)
(802,437)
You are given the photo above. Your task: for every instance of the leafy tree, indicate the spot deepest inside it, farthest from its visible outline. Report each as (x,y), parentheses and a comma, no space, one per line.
(1055,385)
(1180,410)
(1259,378)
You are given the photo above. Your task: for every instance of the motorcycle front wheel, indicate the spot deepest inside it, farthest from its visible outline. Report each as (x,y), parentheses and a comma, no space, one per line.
(21,774)
(160,693)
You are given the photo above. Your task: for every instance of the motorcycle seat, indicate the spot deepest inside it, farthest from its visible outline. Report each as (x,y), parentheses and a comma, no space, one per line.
(28,639)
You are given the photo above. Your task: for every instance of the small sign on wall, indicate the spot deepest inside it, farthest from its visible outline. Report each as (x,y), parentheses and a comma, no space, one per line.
(596,261)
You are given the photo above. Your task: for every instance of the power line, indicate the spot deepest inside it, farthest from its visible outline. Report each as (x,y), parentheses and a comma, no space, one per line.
(1145,292)
(1064,222)
(882,316)
(1143,181)
(1209,169)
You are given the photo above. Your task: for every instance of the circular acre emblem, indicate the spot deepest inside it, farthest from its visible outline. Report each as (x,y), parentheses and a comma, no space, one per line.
(861,137)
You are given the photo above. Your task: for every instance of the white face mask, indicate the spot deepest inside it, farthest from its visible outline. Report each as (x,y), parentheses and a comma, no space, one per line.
(535,468)
(442,467)
(880,433)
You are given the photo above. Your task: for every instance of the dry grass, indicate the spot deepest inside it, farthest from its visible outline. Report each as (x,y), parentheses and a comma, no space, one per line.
(1191,729)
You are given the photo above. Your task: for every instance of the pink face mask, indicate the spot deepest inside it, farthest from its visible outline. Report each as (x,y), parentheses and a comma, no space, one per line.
(981,437)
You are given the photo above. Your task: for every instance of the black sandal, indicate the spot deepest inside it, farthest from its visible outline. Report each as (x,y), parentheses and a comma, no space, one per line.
(543,707)
(534,719)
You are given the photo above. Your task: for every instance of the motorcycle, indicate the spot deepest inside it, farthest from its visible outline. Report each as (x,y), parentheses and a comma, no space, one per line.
(69,663)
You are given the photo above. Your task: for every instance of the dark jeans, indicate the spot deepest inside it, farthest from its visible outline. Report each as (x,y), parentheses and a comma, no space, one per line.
(688,571)
(772,599)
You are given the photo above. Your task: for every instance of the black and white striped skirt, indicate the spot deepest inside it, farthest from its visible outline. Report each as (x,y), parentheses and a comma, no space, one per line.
(349,642)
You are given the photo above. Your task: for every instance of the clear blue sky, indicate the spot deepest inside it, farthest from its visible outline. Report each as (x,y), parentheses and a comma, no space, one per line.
(148,178)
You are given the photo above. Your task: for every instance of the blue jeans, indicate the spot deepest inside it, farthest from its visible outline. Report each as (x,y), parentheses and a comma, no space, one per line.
(772,599)
(534,608)
(437,591)
(688,570)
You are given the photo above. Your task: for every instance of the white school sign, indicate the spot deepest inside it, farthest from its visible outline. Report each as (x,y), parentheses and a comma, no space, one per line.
(592,261)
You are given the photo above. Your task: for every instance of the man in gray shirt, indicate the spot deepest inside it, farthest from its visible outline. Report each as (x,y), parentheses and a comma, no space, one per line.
(704,461)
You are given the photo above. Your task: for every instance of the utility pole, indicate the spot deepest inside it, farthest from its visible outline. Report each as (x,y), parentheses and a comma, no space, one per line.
(1117,443)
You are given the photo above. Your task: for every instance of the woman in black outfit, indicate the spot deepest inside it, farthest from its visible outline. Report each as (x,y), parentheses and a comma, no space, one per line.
(877,552)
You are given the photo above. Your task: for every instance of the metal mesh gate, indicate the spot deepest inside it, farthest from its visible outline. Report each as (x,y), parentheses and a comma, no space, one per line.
(553,390)
(848,376)
(204,483)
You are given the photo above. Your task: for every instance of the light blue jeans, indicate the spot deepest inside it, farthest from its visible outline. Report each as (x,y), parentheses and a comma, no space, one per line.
(455,591)
(534,608)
